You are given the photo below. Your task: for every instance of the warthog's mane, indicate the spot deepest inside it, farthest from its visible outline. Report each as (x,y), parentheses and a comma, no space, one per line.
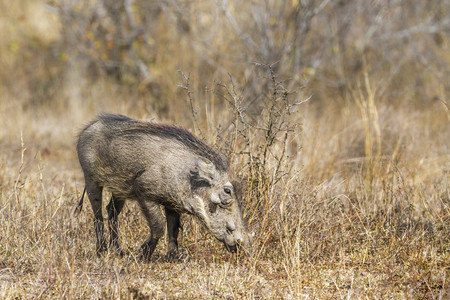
(165,131)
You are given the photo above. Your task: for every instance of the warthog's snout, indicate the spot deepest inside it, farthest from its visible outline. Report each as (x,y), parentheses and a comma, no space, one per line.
(235,240)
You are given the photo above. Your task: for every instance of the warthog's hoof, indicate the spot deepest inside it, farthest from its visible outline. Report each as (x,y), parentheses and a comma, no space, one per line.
(174,256)
(148,248)
(118,252)
(116,249)
(101,249)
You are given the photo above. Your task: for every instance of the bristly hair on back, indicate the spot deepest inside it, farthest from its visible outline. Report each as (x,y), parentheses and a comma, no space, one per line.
(107,118)
(166,131)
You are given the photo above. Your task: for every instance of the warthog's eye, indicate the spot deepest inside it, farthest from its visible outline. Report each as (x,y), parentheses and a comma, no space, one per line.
(227,190)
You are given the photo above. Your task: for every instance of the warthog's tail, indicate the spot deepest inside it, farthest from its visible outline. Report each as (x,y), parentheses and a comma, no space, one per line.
(80,204)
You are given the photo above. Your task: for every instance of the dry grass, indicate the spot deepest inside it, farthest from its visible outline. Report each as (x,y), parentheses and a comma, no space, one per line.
(348,195)
(336,227)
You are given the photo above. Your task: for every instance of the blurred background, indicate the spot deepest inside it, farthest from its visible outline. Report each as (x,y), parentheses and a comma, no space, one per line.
(132,56)
(201,63)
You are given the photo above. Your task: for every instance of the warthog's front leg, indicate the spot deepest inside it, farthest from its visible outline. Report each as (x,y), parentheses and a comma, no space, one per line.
(173,225)
(155,219)
(114,208)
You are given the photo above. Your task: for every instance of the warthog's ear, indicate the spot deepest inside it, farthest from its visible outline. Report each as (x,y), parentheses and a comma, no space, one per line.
(203,172)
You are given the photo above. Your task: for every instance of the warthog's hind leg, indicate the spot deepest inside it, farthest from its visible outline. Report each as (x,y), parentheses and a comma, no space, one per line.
(114,208)
(95,197)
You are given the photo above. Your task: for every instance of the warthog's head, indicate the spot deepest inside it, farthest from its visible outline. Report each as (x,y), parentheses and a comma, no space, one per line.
(217,204)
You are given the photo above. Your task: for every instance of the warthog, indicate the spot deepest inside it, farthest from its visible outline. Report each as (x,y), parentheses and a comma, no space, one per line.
(158,165)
